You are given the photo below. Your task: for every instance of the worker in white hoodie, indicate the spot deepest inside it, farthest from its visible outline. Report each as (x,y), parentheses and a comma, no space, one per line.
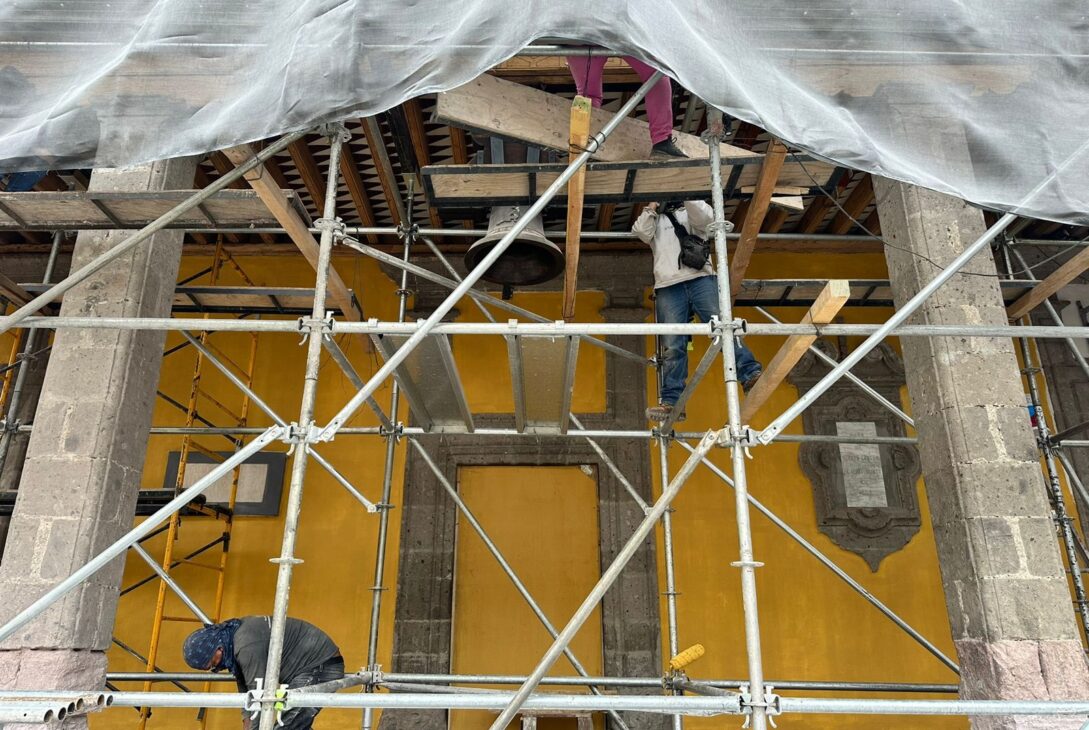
(684,285)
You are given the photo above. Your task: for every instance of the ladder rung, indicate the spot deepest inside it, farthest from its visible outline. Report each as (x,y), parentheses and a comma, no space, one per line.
(212,399)
(184,619)
(214,455)
(198,564)
(220,355)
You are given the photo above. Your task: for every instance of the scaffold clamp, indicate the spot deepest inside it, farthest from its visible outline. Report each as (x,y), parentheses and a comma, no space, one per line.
(715,226)
(771,704)
(336,225)
(309,324)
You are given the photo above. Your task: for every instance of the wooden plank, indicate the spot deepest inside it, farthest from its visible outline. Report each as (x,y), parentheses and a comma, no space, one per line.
(502,108)
(754,215)
(1055,281)
(785,190)
(580,135)
(261,181)
(793,202)
(828,303)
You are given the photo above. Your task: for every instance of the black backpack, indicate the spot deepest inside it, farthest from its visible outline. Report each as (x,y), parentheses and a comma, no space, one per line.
(694,250)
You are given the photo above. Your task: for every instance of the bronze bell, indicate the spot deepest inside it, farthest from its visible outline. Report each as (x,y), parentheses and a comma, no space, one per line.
(530,259)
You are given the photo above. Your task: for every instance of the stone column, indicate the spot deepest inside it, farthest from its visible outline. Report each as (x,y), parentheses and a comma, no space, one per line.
(86,453)
(1006,590)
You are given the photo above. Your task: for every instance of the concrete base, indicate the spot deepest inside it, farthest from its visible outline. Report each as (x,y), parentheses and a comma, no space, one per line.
(40,669)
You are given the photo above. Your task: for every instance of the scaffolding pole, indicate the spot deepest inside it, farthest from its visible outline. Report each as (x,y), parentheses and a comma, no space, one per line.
(377,588)
(134,535)
(492,256)
(734,435)
(555,329)
(301,441)
(671,581)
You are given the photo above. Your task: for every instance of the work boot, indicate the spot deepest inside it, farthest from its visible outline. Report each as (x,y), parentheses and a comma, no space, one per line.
(750,382)
(662,412)
(667,148)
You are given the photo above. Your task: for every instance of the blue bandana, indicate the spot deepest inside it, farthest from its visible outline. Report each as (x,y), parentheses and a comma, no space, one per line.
(201,645)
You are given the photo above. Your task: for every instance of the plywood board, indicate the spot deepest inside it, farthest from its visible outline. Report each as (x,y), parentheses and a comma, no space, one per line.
(494,106)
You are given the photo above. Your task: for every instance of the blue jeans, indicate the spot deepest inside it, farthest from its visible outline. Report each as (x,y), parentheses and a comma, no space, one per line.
(675,305)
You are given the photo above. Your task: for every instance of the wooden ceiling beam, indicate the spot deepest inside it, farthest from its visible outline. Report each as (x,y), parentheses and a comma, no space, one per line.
(377,146)
(859,199)
(308,170)
(349,170)
(417,134)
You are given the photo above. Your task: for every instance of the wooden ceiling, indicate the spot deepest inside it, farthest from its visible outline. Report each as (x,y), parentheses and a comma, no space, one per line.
(384,149)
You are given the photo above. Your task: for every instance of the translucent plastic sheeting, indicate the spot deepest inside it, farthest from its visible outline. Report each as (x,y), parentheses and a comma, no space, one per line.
(980,98)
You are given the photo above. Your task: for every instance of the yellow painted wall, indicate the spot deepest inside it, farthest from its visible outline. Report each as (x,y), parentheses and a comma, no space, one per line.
(813,626)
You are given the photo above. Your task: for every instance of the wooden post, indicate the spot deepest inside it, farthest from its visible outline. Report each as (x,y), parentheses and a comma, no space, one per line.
(828,303)
(580,136)
(754,215)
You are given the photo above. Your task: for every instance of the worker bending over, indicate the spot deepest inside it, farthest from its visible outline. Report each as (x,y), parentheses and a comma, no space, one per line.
(684,285)
(240,645)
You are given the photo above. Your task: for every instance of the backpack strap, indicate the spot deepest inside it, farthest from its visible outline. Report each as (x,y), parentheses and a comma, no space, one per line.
(680,230)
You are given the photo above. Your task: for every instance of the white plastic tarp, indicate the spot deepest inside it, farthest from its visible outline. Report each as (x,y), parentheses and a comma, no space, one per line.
(979,98)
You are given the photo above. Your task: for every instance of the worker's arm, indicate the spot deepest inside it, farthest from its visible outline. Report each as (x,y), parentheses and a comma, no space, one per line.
(700,217)
(646,224)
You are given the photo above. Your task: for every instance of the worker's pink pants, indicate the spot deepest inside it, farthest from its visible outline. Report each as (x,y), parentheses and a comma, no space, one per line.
(587,73)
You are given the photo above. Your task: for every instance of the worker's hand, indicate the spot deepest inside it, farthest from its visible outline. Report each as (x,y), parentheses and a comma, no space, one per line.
(247,723)
(652,207)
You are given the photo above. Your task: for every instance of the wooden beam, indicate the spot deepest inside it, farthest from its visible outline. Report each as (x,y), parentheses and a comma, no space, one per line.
(828,303)
(350,172)
(502,108)
(814,214)
(384,168)
(859,199)
(417,133)
(576,187)
(1054,281)
(459,146)
(605,216)
(261,181)
(754,215)
(775,220)
(10,290)
(308,170)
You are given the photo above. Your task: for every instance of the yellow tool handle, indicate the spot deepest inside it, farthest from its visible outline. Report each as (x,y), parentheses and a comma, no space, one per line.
(686,657)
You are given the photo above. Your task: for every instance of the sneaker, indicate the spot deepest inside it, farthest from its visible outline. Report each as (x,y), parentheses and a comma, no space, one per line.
(751,381)
(662,412)
(667,148)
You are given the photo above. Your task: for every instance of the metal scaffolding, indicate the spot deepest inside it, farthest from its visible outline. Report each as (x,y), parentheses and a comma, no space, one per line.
(753,696)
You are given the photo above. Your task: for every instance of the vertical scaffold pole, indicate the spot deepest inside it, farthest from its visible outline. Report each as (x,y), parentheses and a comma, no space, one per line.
(287,560)
(409,233)
(671,580)
(746,563)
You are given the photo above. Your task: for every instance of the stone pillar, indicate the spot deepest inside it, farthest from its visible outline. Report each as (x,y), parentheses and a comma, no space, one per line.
(1006,590)
(86,453)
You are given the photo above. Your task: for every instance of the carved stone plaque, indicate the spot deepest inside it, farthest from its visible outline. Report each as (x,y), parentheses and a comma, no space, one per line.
(865,494)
